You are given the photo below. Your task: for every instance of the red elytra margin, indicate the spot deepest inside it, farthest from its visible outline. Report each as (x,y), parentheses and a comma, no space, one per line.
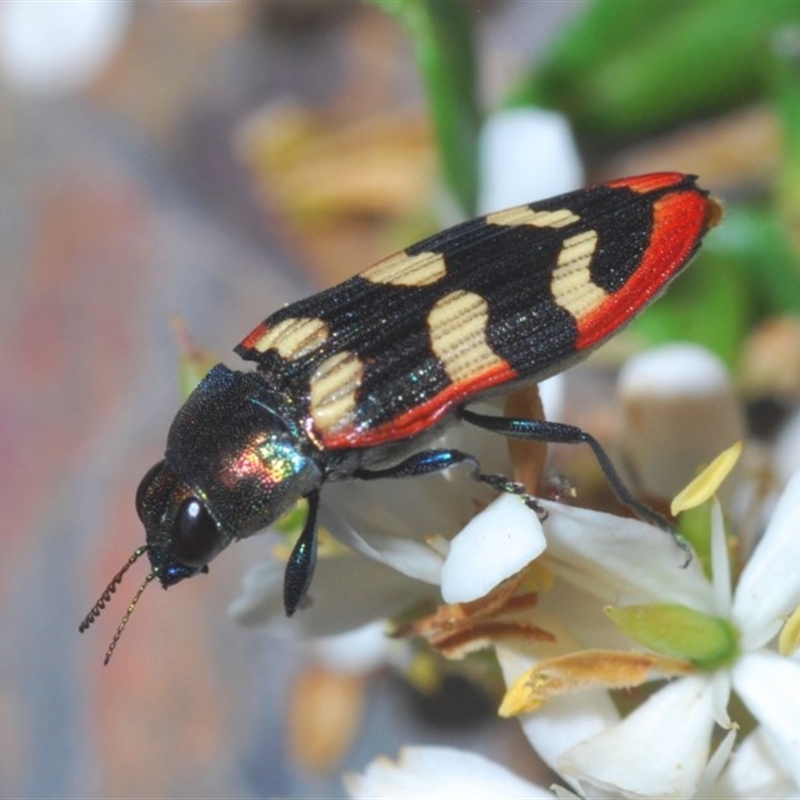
(679,220)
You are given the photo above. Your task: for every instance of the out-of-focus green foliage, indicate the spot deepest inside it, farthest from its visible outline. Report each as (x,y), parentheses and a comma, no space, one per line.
(443,37)
(708,305)
(784,75)
(625,69)
(593,39)
(747,269)
(756,244)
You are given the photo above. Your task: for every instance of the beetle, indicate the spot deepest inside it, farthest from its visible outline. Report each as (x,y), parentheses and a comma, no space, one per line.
(354,382)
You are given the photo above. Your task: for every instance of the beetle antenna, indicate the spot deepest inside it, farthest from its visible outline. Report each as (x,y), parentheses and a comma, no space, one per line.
(127,616)
(111,588)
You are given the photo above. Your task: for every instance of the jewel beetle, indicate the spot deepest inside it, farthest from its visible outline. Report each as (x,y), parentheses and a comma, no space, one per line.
(355,382)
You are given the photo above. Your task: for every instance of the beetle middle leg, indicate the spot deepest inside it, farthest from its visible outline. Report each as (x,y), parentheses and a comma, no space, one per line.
(430,461)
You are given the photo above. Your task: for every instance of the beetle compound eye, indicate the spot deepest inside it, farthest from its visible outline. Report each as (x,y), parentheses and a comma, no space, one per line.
(144,485)
(196,538)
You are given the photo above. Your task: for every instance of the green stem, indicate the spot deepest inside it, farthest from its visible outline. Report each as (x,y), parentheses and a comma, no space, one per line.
(785,85)
(444,42)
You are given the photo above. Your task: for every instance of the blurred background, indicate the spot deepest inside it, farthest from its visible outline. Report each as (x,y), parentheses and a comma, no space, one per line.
(215,160)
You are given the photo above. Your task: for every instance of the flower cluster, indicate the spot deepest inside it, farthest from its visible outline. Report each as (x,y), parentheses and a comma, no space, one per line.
(575,607)
(614,584)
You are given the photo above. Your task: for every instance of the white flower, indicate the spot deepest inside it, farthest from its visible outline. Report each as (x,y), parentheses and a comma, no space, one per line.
(754,771)
(58,47)
(347,593)
(679,408)
(661,748)
(526,154)
(441,773)
(786,453)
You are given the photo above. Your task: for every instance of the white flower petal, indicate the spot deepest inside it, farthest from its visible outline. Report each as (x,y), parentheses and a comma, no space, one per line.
(568,608)
(715,765)
(676,370)
(355,652)
(564,721)
(497,543)
(622,560)
(413,508)
(769,686)
(552,392)
(346,593)
(753,771)
(441,773)
(382,535)
(786,452)
(720,562)
(394,522)
(660,750)
(261,600)
(769,587)
(58,47)
(721,683)
(526,154)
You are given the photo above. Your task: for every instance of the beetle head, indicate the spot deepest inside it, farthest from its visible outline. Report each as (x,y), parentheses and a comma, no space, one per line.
(235,461)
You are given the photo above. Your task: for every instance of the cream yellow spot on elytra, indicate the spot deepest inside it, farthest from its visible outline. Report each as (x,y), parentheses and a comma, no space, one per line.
(523,215)
(333,391)
(294,338)
(457,327)
(572,286)
(402,269)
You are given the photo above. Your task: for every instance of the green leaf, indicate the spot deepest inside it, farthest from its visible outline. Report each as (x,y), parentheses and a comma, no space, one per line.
(589,42)
(687,58)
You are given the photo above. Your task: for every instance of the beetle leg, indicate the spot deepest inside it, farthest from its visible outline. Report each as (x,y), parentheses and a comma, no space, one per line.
(561,433)
(301,563)
(431,461)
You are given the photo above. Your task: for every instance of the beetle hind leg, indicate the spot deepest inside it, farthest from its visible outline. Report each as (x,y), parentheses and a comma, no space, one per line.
(561,433)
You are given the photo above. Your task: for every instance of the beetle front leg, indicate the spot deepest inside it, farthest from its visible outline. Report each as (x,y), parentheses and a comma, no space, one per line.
(431,461)
(301,563)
